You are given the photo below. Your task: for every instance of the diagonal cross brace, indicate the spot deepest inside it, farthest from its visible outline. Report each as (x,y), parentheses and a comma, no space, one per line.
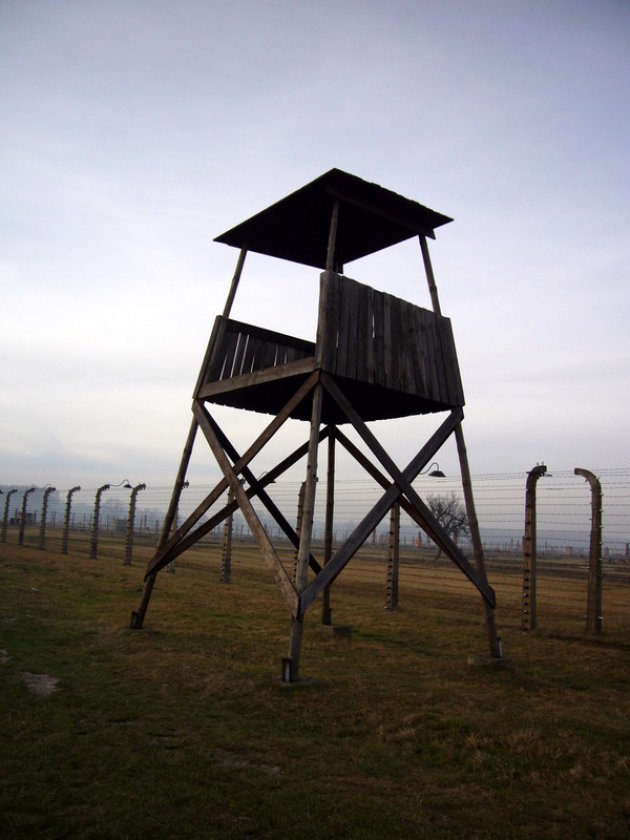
(382,479)
(401,485)
(423,520)
(163,554)
(264,497)
(159,561)
(443,539)
(337,563)
(269,553)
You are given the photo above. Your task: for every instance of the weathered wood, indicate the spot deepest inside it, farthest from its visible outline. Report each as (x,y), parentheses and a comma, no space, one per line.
(364,339)
(240,348)
(235,281)
(324,341)
(494,642)
(259,492)
(255,526)
(192,537)
(225,575)
(251,453)
(393,559)
(379,339)
(378,511)
(493,639)
(428,268)
(258,377)
(344,327)
(306,533)
(329,521)
(210,358)
(332,237)
(404,484)
(376,338)
(298,528)
(436,441)
(137,617)
(399,218)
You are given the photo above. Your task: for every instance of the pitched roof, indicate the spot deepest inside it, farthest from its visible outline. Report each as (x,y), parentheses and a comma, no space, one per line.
(371,218)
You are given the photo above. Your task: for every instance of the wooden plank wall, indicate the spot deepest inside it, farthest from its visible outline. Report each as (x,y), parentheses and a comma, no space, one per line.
(380,339)
(244,349)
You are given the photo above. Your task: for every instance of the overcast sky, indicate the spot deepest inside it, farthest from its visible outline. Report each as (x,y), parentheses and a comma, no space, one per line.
(133,133)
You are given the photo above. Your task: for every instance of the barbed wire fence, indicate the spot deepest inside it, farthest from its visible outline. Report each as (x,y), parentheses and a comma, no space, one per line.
(563,511)
(63,519)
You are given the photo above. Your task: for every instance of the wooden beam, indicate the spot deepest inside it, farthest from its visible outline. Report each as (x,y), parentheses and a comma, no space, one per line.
(235,281)
(475,534)
(306,533)
(260,535)
(259,491)
(194,536)
(332,236)
(354,542)
(404,486)
(222,486)
(329,522)
(385,482)
(137,617)
(364,204)
(257,377)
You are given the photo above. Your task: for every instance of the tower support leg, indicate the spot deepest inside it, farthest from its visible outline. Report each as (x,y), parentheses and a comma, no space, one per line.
(475,534)
(306,536)
(328,534)
(137,616)
(393,559)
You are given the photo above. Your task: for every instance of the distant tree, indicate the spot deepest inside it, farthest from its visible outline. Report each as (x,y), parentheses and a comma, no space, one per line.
(450,512)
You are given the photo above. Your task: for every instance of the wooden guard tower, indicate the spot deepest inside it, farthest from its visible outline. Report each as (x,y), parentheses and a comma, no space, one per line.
(375,357)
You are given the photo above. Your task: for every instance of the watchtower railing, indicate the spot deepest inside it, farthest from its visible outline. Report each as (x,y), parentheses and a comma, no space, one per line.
(376,338)
(239,349)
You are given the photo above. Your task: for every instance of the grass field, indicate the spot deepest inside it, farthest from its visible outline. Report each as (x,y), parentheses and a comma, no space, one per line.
(184,730)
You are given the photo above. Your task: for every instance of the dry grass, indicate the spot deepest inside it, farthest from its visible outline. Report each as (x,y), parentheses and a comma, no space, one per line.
(184,730)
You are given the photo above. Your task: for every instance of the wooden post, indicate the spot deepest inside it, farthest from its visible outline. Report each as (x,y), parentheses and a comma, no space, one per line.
(137,616)
(292,668)
(5,519)
(42,524)
(493,640)
(328,528)
(528,609)
(393,558)
(226,555)
(171,567)
(130,522)
(235,281)
(332,236)
(298,527)
(594,599)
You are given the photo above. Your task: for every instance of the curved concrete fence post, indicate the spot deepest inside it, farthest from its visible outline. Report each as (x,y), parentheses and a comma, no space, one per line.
(594,598)
(528,609)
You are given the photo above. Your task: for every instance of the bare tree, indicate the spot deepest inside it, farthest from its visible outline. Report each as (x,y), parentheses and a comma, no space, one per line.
(450,512)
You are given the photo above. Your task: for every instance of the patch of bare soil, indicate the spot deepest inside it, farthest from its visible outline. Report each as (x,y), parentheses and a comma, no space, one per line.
(40,684)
